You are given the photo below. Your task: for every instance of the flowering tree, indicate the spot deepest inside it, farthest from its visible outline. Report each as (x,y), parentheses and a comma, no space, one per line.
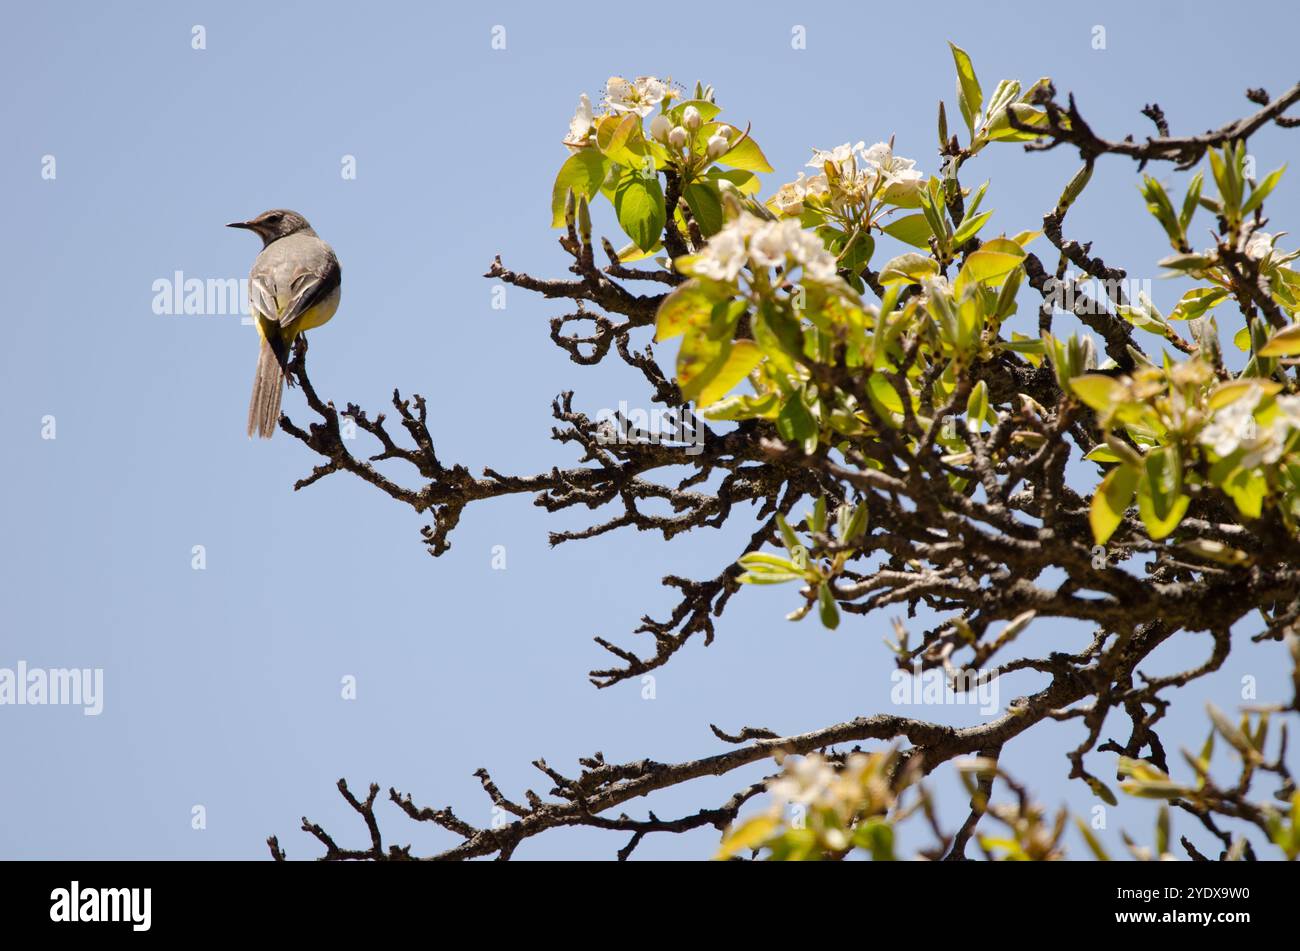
(917,429)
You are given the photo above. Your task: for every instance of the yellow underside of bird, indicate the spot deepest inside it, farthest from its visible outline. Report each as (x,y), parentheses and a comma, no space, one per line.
(313,316)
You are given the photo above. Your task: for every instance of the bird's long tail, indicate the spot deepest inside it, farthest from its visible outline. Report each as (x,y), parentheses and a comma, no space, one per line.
(268,387)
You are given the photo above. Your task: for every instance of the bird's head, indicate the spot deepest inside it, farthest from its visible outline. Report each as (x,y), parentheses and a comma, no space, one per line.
(274,224)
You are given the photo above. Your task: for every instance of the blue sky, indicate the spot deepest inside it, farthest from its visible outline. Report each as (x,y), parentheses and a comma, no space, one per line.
(222,686)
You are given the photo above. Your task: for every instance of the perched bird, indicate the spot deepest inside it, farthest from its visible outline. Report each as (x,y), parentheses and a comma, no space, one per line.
(294,286)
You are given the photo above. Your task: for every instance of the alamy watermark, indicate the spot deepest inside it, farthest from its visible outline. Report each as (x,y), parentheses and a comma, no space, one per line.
(658,426)
(937,687)
(178,296)
(1068,295)
(58,686)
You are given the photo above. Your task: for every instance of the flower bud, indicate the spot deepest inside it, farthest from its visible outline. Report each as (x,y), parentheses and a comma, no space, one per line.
(718,146)
(691,118)
(659,128)
(677,138)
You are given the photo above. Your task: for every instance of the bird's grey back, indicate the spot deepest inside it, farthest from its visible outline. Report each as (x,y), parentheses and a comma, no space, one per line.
(286,266)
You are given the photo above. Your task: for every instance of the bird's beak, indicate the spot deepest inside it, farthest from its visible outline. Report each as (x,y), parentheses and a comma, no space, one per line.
(241,224)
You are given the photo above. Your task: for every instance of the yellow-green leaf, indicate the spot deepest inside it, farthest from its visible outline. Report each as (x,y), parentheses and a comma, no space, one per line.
(911,229)
(969,96)
(583,172)
(744,356)
(747,836)
(745,154)
(977,405)
(993,260)
(1157,525)
(1227,393)
(1196,302)
(688,304)
(908,269)
(1097,390)
(1110,501)
(1284,343)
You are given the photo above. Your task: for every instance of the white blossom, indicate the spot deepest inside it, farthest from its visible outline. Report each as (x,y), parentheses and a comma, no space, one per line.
(789,198)
(806,780)
(1259,245)
(580,125)
(812,780)
(764,244)
(725,254)
(1234,427)
(841,157)
(640,95)
(767,247)
(899,176)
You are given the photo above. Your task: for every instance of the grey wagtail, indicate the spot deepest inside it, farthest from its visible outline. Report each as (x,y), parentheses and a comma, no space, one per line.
(294,286)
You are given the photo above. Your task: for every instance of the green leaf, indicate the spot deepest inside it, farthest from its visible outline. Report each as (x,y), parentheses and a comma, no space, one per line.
(639,203)
(707,110)
(1190,201)
(688,304)
(747,836)
(1196,302)
(621,139)
(583,172)
(779,334)
(769,577)
(1157,525)
(857,522)
(747,182)
(1094,844)
(913,229)
(1075,187)
(705,203)
(1262,189)
(1284,343)
(1097,390)
(1103,453)
(969,95)
(883,392)
(977,405)
(743,357)
(817,520)
(1020,344)
(970,227)
(1164,476)
(1229,731)
(1101,790)
(1110,501)
(1218,552)
(1186,262)
(1227,175)
(745,154)
(795,423)
(765,561)
(986,267)
(877,837)
(908,269)
(788,536)
(826,607)
(856,254)
(698,362)
(1247,489)
(1161,208)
